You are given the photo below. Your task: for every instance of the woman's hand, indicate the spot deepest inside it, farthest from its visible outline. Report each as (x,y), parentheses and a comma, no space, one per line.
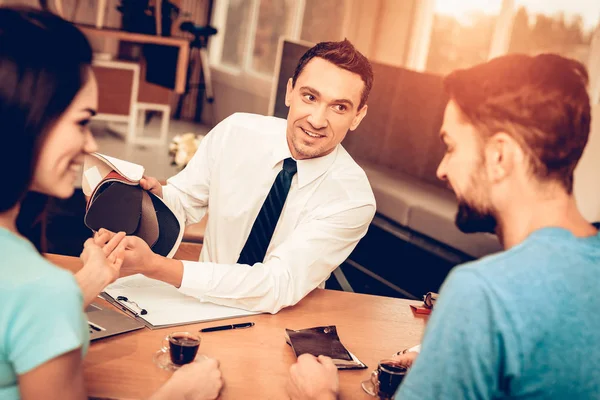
(101,265)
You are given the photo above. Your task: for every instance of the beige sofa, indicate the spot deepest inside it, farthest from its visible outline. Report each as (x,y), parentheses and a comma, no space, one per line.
(398,146)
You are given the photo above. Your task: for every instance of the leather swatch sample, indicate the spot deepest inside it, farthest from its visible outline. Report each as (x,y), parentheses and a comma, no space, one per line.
(169,227)
(121,205)
(148,229)
(116,207)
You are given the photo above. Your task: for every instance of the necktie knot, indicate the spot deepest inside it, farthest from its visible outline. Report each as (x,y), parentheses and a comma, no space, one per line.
(290,166)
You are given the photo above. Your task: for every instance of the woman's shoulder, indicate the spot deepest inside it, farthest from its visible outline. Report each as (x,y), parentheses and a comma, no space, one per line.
(23,268)
(39,300)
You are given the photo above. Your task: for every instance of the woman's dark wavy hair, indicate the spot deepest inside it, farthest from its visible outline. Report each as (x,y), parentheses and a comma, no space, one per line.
(43,65)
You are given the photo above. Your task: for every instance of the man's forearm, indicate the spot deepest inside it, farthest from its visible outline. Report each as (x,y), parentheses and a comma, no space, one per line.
(166,270)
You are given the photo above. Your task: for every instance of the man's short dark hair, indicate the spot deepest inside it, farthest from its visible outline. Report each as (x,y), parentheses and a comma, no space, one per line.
(344,55)
(541,101)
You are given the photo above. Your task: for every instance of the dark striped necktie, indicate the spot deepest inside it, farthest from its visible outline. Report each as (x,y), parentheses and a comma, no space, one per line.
(260,236)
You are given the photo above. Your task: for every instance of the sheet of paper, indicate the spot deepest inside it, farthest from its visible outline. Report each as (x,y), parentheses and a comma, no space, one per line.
(131,171)
(92,178)
(97,166)
(166,305)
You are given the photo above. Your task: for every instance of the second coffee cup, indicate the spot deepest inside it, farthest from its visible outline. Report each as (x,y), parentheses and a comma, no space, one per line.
(182,347)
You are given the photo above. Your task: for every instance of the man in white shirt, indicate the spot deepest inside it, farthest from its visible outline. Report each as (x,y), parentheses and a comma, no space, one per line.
(287,202)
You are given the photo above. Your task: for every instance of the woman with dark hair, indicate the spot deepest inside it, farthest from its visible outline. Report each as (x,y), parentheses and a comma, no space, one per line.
(48,94)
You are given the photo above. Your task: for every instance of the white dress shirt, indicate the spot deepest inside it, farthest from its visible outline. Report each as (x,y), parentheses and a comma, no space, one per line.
(328,210)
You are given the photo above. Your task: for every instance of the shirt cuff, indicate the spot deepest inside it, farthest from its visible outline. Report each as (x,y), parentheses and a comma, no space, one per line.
(197,278)
(170,198)
(167,192)
(415,349)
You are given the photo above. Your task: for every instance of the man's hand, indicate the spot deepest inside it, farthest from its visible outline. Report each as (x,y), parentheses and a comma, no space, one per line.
(151,184)
(313,378)
(101,265)
(138,258)
(406,359)
(200,380)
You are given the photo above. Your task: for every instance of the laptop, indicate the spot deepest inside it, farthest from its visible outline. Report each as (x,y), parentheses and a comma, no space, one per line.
(104,322)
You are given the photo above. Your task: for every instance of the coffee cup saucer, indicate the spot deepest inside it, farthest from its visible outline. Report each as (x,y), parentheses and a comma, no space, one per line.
(368,387)
(162,359)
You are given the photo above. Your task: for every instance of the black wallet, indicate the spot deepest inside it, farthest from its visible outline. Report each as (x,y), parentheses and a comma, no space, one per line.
(323,340)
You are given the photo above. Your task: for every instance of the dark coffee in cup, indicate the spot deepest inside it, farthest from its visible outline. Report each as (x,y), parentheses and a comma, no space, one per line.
(183,348)
(390,375)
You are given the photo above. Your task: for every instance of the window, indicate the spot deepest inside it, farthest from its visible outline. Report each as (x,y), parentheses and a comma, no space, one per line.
(235,32)
(324,20)
(451,34)
(274,20)
(252,28)
(461,34)
(547,27)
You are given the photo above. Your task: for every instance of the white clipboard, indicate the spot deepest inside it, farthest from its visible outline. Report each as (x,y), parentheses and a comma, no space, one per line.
(165,306)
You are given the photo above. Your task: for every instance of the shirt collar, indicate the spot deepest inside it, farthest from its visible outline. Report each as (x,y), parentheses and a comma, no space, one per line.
(308,170)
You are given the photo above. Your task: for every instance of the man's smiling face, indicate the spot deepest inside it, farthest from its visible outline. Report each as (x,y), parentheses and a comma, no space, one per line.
(323,107)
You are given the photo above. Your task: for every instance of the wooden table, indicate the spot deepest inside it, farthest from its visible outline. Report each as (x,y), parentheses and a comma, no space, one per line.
(255,361)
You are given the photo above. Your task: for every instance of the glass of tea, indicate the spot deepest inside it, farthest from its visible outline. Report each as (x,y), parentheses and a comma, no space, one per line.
(178,348)
(384,381)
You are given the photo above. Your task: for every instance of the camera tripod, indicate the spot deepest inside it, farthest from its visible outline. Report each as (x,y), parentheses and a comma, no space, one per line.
(198,54)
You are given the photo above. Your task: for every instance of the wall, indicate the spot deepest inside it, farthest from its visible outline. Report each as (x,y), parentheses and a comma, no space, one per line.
(390,41)
(378,28)
(229,99)
(80,11)
(587,174)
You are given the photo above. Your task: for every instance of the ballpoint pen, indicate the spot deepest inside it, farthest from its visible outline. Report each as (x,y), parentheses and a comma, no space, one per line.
(227,327)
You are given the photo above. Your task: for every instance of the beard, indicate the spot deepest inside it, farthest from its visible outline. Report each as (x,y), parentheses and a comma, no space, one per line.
(476,214)
(472,219)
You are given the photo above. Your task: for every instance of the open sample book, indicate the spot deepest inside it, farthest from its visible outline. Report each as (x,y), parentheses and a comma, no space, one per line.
(117,202)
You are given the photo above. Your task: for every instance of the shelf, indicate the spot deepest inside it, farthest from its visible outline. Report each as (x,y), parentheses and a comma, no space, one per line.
(182,44)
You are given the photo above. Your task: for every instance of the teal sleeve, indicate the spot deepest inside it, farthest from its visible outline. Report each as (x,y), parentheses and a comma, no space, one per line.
(49,322)
(464,344)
